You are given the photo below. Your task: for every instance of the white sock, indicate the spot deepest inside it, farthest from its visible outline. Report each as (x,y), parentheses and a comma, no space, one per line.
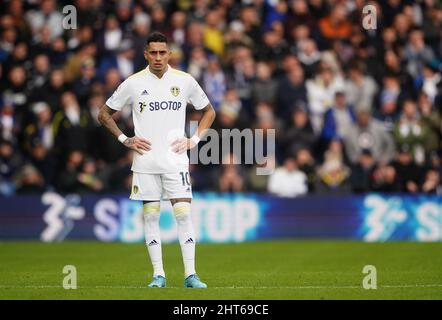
(186,236)
(151,212)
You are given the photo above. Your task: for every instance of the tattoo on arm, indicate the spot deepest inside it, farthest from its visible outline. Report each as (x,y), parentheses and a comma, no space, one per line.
(130,141)
(206,121)
(105,118)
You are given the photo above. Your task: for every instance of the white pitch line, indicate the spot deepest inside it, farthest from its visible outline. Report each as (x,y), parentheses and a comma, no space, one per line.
(231,287)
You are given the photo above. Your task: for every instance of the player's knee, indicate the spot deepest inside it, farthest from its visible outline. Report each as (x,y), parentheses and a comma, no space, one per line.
(151,211)
(181,211)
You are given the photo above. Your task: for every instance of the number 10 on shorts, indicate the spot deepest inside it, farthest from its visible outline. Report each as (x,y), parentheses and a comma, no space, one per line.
(185,178)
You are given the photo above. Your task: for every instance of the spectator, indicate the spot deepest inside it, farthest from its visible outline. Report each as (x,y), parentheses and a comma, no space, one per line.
(309,57)
(338,120)
(57,53)
(230,109)
(177,30)
(369,134)
(9,165)
(320,93)
(432,80)
(52,91)
(120,179)
(197,62)
(431,24)
(389,99)
(39,141)
(29,181)
(123,61)
(411,130)
(306,164)
(385,179)
(432,182)
(8,123)
(408,173)
(71,126)
(249,16)
(273,46)
(40,73)
(236,37)
(432,120)
(214,81)
(298,14)
(176,57)
(68,178)
(242,73)
(111,37)
(299,134)
(333,174)
(89,178)
(46,16)
(7,39)
(73,64)
(158,14)
(264,87)
(361,173)
(112,80)
(265,117)
(17,14)
(393,68)
(335,25)
(231,177)
(291,88)
(276,12)
(258,182)
(141,29)
(212,34)
(16,96)
(82,87)
(194,38)
(360,89)
(417,53)
(402,25)
(19,56)
(288,180)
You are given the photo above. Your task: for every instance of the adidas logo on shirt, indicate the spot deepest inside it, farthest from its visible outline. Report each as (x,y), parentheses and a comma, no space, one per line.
(190,240)
(152,243)
(144,93)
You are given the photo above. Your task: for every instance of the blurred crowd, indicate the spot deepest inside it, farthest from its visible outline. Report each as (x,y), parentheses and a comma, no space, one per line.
(354,110)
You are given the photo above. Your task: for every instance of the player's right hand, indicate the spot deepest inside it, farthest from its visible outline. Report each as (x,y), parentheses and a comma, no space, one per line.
(137,144)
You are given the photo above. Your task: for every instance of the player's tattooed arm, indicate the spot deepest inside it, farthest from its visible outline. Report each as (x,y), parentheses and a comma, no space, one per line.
(206,121)
(181,145)
(135,143)
(105,118)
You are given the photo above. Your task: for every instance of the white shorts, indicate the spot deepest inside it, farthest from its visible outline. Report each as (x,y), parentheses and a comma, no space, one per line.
(154,187)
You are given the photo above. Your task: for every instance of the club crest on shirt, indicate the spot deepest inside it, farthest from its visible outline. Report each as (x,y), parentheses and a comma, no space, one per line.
(175,91)
(135,190)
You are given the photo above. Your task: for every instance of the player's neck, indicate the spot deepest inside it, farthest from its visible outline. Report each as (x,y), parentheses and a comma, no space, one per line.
(160,73)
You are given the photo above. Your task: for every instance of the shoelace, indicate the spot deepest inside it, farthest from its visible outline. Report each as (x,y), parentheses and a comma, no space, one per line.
(194,276)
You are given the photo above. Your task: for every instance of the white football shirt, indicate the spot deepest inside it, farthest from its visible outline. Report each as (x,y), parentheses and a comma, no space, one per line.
(159,115)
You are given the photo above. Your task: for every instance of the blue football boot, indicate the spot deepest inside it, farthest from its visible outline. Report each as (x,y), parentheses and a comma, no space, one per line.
(157,282)
(193,281)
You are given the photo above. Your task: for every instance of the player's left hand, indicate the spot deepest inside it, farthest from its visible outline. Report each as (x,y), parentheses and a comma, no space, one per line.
(181,145)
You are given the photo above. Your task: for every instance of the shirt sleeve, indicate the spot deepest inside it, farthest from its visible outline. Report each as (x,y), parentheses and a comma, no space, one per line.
(120,98)
(197,97)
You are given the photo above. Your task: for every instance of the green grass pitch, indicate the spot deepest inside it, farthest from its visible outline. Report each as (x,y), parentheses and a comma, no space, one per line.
(290,269)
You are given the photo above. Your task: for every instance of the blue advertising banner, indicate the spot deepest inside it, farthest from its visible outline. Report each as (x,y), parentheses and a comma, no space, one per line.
(225,217)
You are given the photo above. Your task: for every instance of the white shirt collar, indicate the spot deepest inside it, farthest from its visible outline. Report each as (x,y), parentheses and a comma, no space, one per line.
(165,73)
